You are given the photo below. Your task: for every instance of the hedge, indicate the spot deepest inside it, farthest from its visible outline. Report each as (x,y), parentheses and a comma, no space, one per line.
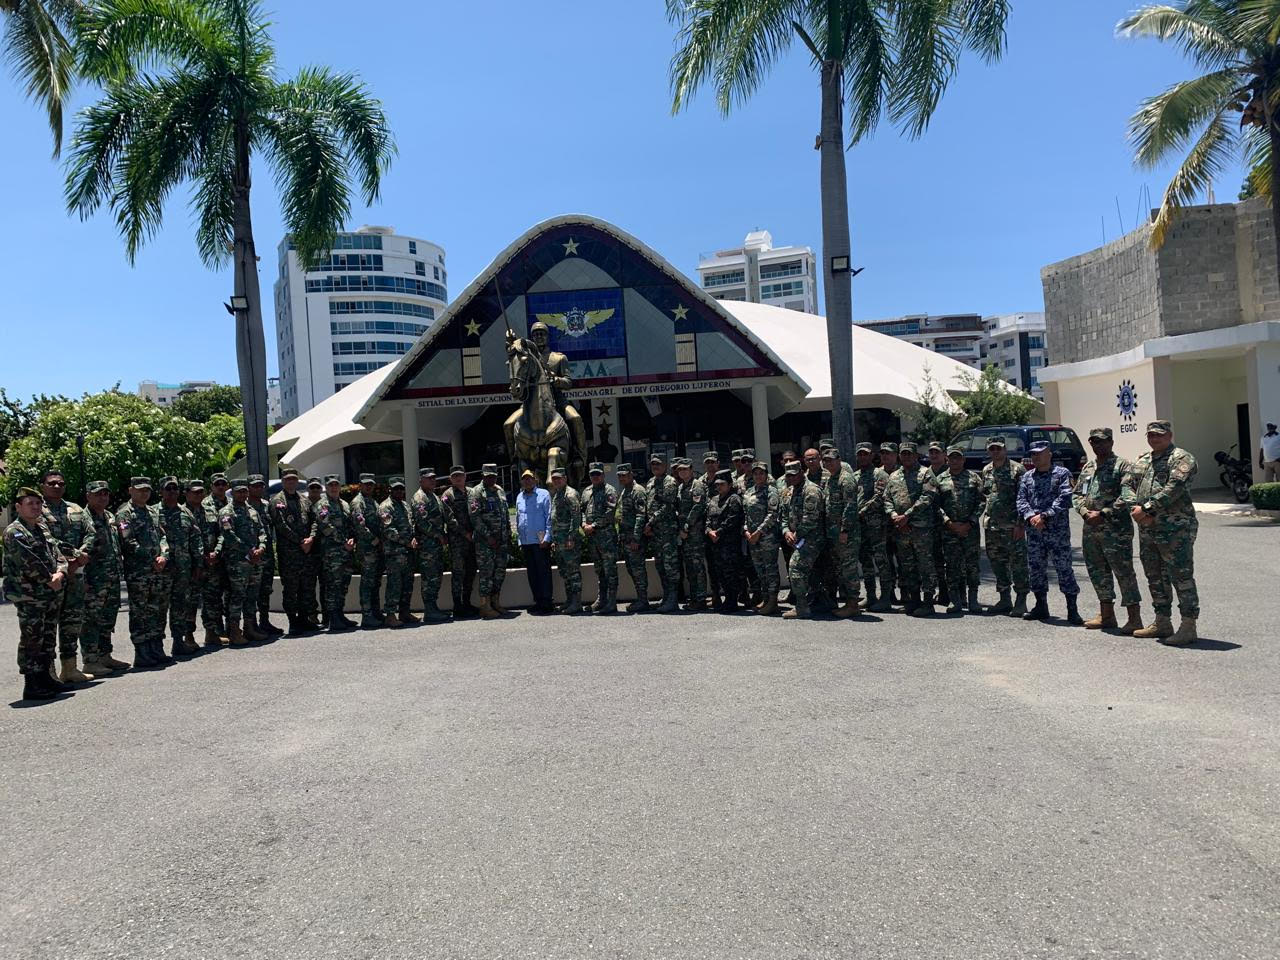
(1265,496)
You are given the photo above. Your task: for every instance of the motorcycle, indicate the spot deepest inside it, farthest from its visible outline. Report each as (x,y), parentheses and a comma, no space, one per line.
(1236,475)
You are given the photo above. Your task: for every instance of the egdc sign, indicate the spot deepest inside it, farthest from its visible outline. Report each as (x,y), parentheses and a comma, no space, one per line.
(1127,404)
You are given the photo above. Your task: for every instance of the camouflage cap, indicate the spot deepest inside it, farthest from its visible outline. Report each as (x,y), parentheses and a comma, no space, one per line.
(489,470)
(908,448)
(995,442)
(239,483)
(736,454)
(397,483)
(830,453)
(427,472)
(218,477)
(288,472)
(23,492)
(865,447)
(711,457)
(195,484)
(595,468)
(748,453)
(332,478)
(366,478)
(954,450)
(1159,426)
(724,476)
(558,472)
(140,482)
(824,443)
(657,458)
(96,486)
(1040,446)
(257,478)
(623,469)
(314,482)
(792,467)
(1100,433)
(888,447)
(760,465)
(167,482)
(456,469)
(936,445)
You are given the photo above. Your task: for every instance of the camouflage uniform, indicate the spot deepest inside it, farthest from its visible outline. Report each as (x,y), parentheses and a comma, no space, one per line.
(102,586)
(186,557)
(369,557)
(872,553)
(72,528)
(566,542)
(806,519)
(31,558)
(1161,485)
(1006,535)
(489,517)
(429,524)
(334,528)
(724,515)
(242,533)
(1107,547)
(213,602)
(142,540)
(312,585)
(600,509)
(691,526)
(912,493)
(662,509)
(960,501)
(462,551)
(842,502)
(267,570)
(761,512)
(1048,494)
(939,553)
(395,535)
(293,520)
(631,521)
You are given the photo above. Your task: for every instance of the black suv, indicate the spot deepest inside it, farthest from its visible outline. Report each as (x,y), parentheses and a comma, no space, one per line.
(1067,448)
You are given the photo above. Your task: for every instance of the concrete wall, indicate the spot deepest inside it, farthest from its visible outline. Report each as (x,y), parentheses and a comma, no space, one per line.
(1204,409)
(1198,284)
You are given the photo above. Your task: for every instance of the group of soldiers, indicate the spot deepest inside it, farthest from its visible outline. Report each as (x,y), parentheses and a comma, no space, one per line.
(905,533)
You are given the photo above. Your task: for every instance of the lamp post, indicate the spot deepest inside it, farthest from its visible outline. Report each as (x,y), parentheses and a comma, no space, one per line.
(250,356)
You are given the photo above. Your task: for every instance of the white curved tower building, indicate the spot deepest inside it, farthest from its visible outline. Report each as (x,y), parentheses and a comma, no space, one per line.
(361,309)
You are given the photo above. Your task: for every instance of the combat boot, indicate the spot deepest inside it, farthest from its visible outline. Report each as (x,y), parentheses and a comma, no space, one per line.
(112,662)
(487,612)
(800,608)
(1073,612)
(1160,628)
(70,674)
(338,623)
(234,636)
(770,606)
(1020,607)
(213,640)
(1004,605)
(156,646)
(143,658)
(599,602)
(942,596)
(267,627)
(850,609)
(36,687)
(1185,636)
(956,607)
(324,620)
(668,604)
(610,605)
(433,614)
(495,604)
(251,631)
(883,603)
(189,644)
(407,619)
(1134,622)
(924,608)
(1106,617)
(974,605)
(638,605)
(572,605)
(869,588)
(94,664)
(369,622)
(729,604)
(1041,610)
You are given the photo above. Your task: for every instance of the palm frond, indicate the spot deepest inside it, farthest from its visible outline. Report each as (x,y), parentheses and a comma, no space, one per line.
(1196,27)
(1204,163)
(1261,17)
(930,41)
(984,24)
(868,67)
(100,139)
(212,203)
(36,46)
(1168,121)
(731,43)
(121,37)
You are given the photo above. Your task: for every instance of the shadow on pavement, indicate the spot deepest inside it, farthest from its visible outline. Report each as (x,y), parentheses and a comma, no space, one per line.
(1219,646)
(28,704)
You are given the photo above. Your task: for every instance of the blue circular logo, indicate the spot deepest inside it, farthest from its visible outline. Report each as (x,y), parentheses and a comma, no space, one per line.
(1127,400)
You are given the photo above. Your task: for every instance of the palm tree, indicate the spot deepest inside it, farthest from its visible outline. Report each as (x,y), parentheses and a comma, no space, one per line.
(880,58)
(190,95)
(1232,110)
(35,44)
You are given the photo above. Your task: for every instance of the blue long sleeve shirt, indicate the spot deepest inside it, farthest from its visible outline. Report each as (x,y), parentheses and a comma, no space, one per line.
(1048,494)
(533,516)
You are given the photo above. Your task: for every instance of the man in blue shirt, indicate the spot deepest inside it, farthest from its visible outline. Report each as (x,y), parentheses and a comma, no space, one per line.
(1044,504)
(533,528)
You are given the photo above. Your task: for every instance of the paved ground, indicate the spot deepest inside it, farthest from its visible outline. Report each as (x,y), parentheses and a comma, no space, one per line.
(694,786)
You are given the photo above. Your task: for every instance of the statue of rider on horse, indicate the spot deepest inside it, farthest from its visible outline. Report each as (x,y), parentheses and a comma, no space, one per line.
(545,431)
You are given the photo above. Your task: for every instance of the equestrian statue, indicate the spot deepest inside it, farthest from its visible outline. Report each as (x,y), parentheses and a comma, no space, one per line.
(545,431)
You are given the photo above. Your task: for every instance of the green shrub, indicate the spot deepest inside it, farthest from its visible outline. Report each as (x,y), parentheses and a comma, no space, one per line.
(1265,496)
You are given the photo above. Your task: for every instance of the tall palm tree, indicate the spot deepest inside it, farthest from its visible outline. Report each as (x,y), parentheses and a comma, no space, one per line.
(191,95)
(879,58)
(36,45)
(1230,111)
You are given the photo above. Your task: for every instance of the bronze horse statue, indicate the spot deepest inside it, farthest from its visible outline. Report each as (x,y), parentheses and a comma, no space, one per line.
(537,435)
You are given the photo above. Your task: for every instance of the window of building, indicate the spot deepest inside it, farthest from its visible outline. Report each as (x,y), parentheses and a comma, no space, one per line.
(339,328)
(338,307)
(724,279)
(1007,344)
(344,348)
(1009,363)
(775,291)
(1035,341)
(420,269)
(357,368)
(355,241)
(775,271)
(1037,361)
(413,246)
(349,261)
(341,283)
(435,272)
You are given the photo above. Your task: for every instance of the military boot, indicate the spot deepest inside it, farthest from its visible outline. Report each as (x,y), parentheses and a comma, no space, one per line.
(770,606)
(143,658)
(157,650)
(267,627)
(1160,628)
(486,611)
(213,640)
(668,604)
(189,642)
(942,597)
(70,674)
(251,631)
(1134,622)
(974,605)
(639,604)
(573,604)
(234,635)
(94,664)
(495,604)
(850,608)
(1041,610)
(112,662)
(956,606)
(924,608)
(883,603)
(1073,612)
(598,606)
(610,605)
(1004,605)
(407,619)
(800,608)
(1106,617)
(869,588)
(1020,606)
(339,623)
(1185,636)
(433,614)
(370,622)
(35,686)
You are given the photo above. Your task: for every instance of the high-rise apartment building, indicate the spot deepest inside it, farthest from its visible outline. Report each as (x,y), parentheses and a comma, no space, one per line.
(958,335)
(359,309)
(759,272)
(163,394)
(1015,342)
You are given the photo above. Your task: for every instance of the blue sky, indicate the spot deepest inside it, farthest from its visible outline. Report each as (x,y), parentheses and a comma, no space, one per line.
(537,109)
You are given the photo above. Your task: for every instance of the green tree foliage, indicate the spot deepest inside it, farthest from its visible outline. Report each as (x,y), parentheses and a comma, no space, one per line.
(200,405)
(991,400)
(226,437)
(36,44)
(17,418)
(932,418)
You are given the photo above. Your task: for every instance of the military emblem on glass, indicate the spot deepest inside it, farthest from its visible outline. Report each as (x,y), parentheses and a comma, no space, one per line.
(1127,400)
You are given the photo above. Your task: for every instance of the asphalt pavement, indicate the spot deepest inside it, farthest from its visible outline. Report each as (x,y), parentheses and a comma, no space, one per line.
(668,787)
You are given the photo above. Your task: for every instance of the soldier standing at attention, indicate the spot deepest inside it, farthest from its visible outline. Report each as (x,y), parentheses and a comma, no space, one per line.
(888,467)
(462,547)
(244,542)
(429,531)
(293,522)
(1107,541)
(783,486)
(842,504)
(762,510)
(492,524)
(146,554)
(1006,535)
(938,467)
(1157,493)
(311,609)
(566,540)
(369,558)
(213,603)
(267,572)
(600,526)
(337,535)
(871,551)
(691,520)
(909,499)
(102,584)
(1044,502)
(706,484)
(186,553)
(804,532)
(662,529)
(631,522)
(741,483)
(35,574)
(724,529)
(193,494)
(72,530)
(398,541)
(960,501)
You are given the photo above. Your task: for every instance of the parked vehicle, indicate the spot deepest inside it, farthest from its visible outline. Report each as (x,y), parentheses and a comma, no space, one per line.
(1067,448)
(1236,475)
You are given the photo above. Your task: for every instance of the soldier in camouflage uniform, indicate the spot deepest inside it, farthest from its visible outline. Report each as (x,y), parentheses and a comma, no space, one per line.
(72,529)
(888,467)
(960,502)
(213,601)
(429,527)
(186,553)
(267,572)
(462,547)
(909,503)
(398,545)
(294,525)
(872,554)
(937,465)
(1157,493)
(146,554)
(492,525)
(724,521)
(691,525)
(600,527)
(805,531)
(336,531)
(762,511)
(35,574)
(313,611)
(244,543)
(1006,535)
(566,540)
(369,554)
(662,530)
(706,484)
(842,505)
(744,463)
(102,578)
(193,493)
(1107,541)
(1044,503)
(632,516)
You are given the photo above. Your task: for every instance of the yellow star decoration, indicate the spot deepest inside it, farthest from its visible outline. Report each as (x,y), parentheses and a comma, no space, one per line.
(473,328)
(571,248)
(680,312)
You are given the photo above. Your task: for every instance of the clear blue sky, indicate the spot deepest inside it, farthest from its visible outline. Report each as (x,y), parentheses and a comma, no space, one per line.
(510,112)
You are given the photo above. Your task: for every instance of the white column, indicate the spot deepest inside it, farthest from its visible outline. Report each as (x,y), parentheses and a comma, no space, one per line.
(1262,372)
(760,421)
(455,447)
(409,437)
